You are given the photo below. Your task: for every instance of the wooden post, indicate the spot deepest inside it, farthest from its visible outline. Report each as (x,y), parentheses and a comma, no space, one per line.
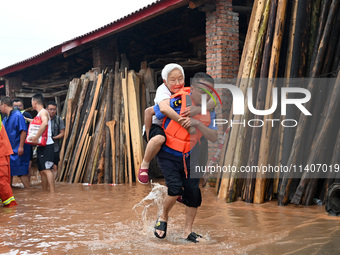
(135,122)
(107,164)
(267,128)
(116,96)
(111,126)
(244,73)
(126,122)
(244,131)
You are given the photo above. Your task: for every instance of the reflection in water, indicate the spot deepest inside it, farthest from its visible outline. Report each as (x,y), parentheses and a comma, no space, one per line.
(107,219)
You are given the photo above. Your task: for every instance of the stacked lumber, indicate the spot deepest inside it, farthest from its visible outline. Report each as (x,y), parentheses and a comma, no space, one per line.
(286,40)
(103,140)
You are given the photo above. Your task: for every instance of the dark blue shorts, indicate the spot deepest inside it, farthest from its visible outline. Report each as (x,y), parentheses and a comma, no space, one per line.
(178,185)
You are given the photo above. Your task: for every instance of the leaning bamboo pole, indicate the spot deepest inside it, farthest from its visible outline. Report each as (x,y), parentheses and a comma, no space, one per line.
(220,176)
(244,131)
(249,54)
(267,128)
(249,184)
(292,71)
(292,31)
(314,21)
(321,25)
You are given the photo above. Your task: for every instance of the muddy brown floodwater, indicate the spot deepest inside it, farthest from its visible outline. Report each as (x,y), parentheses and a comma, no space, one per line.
(106,219)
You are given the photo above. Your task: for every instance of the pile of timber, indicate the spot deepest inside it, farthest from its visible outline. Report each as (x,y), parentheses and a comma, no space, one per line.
(287,39)
(103,117)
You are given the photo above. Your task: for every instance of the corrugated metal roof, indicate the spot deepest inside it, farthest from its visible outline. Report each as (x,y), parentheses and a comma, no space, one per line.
(125,22)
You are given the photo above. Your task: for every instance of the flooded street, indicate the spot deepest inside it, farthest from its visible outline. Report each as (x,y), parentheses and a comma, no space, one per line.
(101,219)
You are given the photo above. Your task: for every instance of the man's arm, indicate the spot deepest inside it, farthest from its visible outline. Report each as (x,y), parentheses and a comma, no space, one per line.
(148,113)
(22,142)
(194,110)
(210,134)
(44,118)
(28,119)
(60,135)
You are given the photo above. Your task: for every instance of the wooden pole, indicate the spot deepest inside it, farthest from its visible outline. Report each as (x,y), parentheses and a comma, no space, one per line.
(267,128)
(126,122)
(111,126)
(249,54)
(108,163)
(122,136)
(244,131)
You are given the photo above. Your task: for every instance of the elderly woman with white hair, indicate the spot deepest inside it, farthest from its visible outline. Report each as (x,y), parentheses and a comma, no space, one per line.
(173,78)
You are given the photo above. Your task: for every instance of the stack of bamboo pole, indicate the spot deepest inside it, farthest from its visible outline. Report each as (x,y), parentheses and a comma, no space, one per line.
(286,41)
(103,141)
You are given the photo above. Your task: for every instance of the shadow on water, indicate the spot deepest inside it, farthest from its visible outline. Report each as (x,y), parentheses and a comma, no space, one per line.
(119,219)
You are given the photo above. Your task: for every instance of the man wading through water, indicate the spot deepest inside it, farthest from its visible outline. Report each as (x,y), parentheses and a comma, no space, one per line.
(180,151)
(45,154)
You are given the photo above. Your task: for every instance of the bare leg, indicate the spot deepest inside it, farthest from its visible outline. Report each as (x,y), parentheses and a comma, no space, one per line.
(152,148)
(50,179)
(43,180)
(26,181)
(55,171)
(168,203)
(190,214)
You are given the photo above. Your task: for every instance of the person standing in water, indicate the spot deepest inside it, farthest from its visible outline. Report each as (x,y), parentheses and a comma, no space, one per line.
(180,152)
(16,128)
(28,152)
(58,131)
(45,154)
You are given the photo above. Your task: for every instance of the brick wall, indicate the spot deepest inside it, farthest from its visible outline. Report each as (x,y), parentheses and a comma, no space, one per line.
(104,55)
(222,53)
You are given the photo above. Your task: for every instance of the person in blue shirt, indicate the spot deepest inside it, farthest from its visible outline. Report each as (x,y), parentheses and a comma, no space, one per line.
(28,152)
(16,128)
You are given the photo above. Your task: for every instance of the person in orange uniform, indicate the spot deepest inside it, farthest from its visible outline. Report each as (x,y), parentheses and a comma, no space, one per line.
(6,193)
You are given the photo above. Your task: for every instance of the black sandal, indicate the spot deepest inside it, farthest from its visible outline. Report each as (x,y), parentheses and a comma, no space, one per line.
(192,237)
(160,225)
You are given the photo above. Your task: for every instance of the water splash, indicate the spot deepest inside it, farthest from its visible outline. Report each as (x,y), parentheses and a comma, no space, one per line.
(155,197)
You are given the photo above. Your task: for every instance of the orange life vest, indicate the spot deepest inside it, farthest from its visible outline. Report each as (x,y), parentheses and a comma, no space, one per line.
(177,137)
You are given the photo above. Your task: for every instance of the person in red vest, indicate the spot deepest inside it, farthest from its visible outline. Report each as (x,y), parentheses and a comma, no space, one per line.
(6,193)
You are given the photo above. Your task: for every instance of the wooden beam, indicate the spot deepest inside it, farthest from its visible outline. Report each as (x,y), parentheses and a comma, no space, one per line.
(45,95)
(193,4)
